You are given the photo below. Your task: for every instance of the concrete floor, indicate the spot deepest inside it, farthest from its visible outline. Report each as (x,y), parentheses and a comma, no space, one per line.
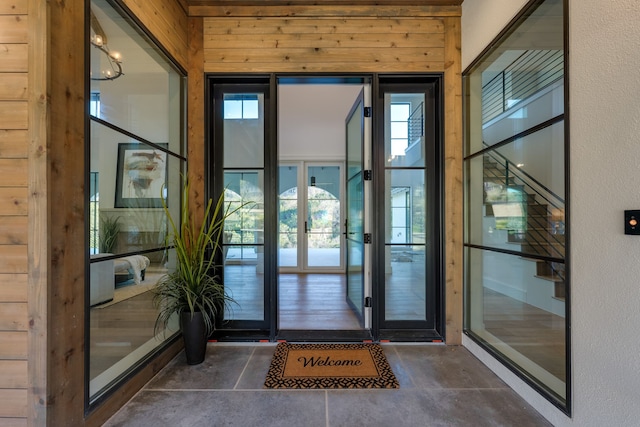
(439,386)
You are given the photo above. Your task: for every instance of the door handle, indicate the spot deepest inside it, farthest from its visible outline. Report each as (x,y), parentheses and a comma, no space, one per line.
(306,229)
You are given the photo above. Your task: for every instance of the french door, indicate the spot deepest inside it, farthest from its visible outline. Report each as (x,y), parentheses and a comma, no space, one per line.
(310,217)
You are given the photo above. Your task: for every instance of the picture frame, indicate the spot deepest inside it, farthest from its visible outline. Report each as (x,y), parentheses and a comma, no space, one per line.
(140,175)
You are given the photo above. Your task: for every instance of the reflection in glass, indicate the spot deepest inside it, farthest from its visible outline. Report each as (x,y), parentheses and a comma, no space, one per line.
(243,130)
(515,200)
(243,244)
(405,130)
(405,291)
(129,179)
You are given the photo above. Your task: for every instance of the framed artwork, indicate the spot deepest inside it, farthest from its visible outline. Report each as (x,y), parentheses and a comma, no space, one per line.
(141,173)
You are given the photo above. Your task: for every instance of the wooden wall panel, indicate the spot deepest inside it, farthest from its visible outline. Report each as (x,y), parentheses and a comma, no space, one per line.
(13,288)
(13,230)
(13,403)
(13,57)
(13,143)
(167,21)
(13,29)
(13,259)
(322,10)
(13,201)
(13,7)
(13,86)
(14,345)
(13,316)
(13,172)
(14,169)
(378,44)
(14,114)
(13,374)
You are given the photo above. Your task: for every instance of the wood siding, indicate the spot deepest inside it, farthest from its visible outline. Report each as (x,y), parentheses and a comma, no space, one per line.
(166,20)
(14,122)
(376,44)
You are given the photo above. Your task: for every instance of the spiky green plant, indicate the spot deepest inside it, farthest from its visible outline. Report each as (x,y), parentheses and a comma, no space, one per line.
(194,286)
(109,229)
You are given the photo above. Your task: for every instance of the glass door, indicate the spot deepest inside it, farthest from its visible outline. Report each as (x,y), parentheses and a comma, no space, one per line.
(310,217)
(322,227)
(354,223)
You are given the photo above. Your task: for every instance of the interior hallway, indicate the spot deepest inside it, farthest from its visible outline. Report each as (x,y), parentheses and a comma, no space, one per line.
(439,386)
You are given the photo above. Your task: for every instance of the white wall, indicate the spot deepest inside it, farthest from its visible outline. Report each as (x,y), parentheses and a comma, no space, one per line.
(482,20)
(311,120)
(605,264)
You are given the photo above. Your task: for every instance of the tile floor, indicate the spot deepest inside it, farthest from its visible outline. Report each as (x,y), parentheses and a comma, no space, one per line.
(439,386)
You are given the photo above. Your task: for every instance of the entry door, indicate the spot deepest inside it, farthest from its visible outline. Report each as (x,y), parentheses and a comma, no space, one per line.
(354,222)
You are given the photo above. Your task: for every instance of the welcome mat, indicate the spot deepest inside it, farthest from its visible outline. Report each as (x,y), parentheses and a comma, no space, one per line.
(330,366)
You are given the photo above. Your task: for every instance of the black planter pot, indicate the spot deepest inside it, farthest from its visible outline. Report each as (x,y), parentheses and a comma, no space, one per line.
(195,337)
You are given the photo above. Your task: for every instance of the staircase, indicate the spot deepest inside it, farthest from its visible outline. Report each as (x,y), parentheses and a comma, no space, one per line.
(532,215)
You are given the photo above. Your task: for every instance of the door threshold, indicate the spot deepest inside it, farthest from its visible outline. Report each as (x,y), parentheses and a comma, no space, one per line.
(323,335)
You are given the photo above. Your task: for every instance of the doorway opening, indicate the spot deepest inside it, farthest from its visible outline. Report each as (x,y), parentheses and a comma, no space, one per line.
(322,138)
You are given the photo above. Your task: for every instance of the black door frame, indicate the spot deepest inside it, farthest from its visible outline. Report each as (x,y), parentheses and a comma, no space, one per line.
(267,330)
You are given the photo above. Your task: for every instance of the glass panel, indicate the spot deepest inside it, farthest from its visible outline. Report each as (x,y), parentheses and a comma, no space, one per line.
(244,244)
(146,99)
(323,220)
(127,205)
(405,289)
(404,129)
(243,130)
(405,206)
(288,217)
(244,282)
(516,195)
(355,208)
(405,283)
(515,199)
(123,317)
(514,310)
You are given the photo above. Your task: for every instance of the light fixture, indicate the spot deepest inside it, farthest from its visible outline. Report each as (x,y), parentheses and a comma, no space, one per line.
(99,41)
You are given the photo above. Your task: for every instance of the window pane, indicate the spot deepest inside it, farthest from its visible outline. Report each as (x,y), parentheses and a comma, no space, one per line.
(405,290)
(404,129)
(243,139)
(146,99)
(288,217)
(516,195)
(405,206)
(243,248)
(521,314)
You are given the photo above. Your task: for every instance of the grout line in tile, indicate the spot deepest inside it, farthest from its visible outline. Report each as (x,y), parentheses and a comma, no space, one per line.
(245,368)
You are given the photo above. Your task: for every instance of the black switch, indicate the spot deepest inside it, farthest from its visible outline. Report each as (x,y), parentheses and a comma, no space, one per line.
(632,222)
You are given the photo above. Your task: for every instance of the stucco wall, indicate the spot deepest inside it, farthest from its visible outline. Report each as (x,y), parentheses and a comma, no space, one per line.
(604,128)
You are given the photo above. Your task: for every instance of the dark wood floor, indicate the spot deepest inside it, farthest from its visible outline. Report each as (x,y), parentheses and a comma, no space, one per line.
(318,302)
(536,334)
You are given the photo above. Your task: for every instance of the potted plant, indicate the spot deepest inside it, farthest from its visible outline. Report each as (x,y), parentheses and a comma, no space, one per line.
(194,290)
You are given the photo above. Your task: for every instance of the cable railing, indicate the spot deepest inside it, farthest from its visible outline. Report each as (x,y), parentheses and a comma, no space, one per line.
(528,74)
(542,236)
(416,123)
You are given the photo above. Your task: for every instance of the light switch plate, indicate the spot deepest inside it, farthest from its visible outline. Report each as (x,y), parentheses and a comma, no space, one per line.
(632,222)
